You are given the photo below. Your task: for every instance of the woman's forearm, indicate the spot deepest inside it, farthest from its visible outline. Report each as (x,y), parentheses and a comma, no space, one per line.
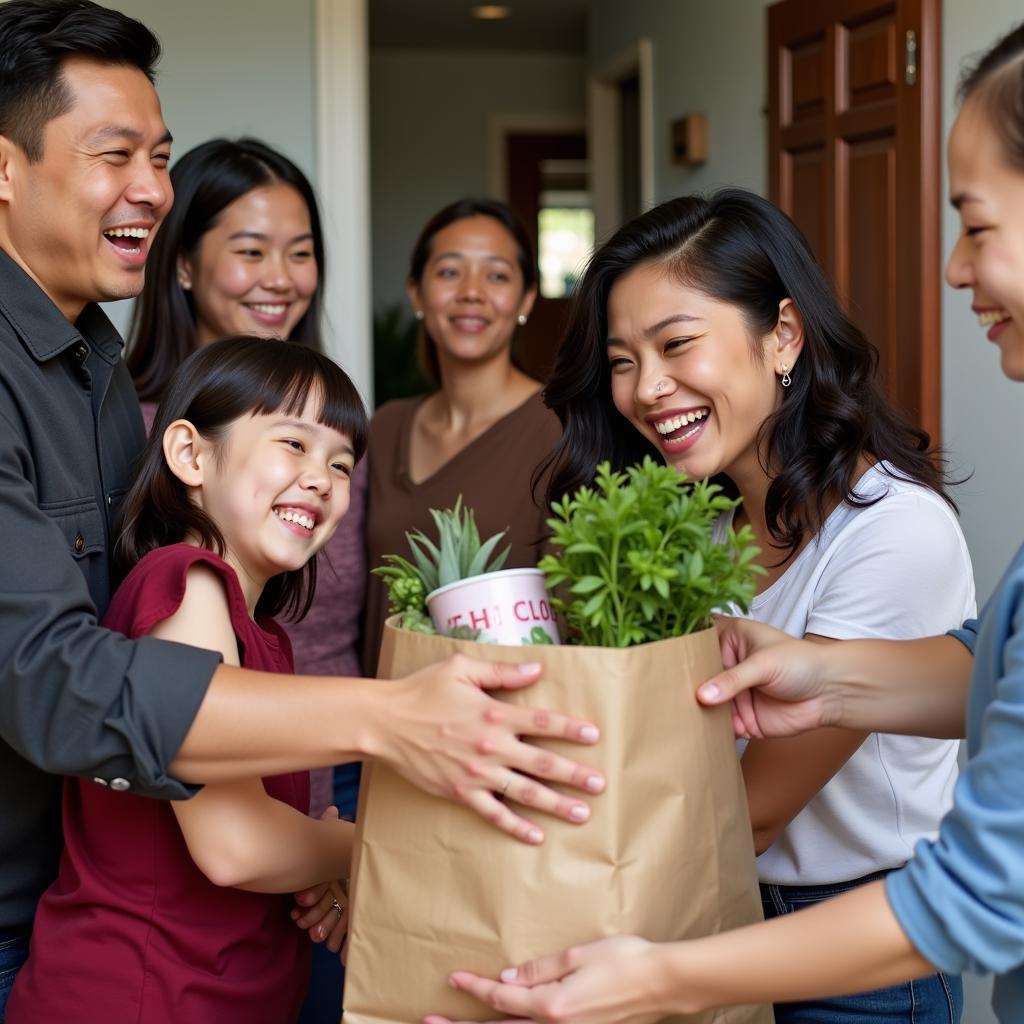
(852,943)
(917,687)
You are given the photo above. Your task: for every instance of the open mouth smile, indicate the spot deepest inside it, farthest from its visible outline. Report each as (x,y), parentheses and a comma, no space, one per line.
(130,243)
(679,430)
(299,521)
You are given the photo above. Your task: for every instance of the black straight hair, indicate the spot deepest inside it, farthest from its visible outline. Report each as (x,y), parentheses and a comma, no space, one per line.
(37,37)
(217,384)
(738,248)
(998,81)
(462,209)
(207,179)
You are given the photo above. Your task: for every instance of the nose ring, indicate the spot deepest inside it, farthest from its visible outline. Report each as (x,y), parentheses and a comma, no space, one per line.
(659,386)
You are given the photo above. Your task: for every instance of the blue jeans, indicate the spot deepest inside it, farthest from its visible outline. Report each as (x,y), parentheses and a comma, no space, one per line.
(13,953)
(323,1000)
(937,999)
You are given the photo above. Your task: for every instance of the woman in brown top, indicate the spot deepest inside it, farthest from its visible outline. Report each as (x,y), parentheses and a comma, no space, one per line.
(484,432)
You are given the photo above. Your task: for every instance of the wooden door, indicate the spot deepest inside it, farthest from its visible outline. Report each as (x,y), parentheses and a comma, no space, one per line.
(854,140)
(526,155)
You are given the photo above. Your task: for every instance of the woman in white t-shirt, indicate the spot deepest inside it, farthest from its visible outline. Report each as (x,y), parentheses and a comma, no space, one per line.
(708,326)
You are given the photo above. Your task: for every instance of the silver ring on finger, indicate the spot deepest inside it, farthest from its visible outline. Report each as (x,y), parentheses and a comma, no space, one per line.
(335,905)
(504,789)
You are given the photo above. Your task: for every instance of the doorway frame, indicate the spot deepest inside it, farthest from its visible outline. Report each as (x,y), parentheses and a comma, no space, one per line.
(501,125)
(343,183)
(603,132)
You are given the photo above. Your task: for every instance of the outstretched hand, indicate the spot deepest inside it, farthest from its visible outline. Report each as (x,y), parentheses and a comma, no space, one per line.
(605,982)
(445,735)
(777,685)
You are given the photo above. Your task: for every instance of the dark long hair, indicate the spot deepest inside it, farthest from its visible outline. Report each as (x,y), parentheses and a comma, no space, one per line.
(37,37)
(211,389)
(462,209)
(738,248)
(998,81)
(206,180)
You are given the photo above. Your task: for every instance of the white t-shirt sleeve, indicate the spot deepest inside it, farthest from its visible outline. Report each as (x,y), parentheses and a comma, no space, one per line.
(899,570)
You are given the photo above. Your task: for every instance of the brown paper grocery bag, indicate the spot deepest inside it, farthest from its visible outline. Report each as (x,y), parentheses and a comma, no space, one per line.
(667,853)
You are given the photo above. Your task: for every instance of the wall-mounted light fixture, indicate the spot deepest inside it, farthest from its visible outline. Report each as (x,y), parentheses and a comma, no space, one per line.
(490,12)
(690,140)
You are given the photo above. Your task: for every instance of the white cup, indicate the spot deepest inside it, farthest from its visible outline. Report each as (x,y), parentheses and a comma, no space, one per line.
(510,606)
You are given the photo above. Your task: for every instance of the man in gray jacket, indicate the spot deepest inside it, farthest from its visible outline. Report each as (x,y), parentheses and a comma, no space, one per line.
(84,184)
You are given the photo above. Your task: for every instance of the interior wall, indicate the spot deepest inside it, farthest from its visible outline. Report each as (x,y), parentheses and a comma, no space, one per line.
(983,412)
(429,135)
(231,69)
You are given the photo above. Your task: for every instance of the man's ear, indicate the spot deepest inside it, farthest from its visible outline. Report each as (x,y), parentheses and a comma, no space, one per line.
(9,151)
(788,337)
(185,452)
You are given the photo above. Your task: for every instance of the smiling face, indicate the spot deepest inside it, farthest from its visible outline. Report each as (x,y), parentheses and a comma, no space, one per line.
(989,255)
(276,485)
(80,220)
(471,292)
(254,271)
(687,374)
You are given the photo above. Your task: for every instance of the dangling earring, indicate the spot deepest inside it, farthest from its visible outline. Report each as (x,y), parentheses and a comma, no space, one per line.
(521,319)
(418,314)
(786,379)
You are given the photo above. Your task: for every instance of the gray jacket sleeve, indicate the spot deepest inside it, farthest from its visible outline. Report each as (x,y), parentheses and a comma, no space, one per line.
(75,698)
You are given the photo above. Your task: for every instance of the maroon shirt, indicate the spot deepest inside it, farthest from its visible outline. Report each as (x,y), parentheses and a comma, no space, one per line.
(132,931)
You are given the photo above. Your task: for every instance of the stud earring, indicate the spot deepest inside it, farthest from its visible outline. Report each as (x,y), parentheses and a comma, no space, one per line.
(786,379)
(418,314)
(184,282)
(521,319)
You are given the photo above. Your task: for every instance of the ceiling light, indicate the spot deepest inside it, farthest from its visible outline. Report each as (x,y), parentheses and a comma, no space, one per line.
(490,12)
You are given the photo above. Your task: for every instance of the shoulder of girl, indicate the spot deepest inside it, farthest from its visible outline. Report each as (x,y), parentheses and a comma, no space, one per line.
(162,582)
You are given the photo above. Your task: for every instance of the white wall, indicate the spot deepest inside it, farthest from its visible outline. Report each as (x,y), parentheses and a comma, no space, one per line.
(708,58)
(983,413)
(233,69)
(429,135)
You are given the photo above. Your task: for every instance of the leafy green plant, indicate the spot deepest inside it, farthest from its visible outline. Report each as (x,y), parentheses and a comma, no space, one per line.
(637,561)
(457,555)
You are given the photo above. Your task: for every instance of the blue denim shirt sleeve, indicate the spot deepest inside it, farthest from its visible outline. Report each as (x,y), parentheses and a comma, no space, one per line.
(961,899)
(967,634)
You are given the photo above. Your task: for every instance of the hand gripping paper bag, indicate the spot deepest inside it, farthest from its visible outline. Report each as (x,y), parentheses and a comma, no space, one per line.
(667,853)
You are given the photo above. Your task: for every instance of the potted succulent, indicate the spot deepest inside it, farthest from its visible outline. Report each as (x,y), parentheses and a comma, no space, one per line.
(458,588)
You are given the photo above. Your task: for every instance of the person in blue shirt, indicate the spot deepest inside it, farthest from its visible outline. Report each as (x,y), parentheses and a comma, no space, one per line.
(959,903)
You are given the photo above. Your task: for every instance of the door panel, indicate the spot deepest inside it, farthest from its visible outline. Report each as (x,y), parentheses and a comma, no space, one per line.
(854,160)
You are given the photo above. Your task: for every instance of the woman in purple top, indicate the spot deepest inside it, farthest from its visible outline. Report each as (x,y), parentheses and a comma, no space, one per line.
(242,252)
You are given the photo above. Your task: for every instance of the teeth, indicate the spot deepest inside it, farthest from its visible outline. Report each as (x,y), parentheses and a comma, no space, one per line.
(127,232)
(992,316)
(265,307)
(677,422)
(295,517)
